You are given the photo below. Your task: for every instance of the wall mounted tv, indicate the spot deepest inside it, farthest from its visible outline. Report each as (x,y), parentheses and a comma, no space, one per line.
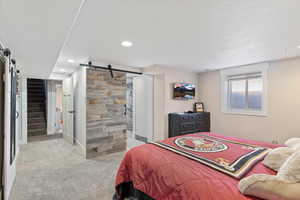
(184,91)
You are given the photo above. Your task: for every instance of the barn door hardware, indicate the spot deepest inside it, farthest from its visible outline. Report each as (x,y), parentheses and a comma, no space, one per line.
(109,68)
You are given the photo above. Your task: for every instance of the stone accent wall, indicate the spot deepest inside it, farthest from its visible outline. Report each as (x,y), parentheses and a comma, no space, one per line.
(106,123)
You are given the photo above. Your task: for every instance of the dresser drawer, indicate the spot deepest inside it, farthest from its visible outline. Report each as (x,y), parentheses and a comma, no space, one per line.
(180,124)
(187,126)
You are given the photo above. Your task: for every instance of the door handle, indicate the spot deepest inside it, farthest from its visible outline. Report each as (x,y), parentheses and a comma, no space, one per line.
(125,110)
(71,112)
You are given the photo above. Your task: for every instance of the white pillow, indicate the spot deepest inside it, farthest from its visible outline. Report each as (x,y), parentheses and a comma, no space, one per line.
(275,158)
(269,187)
(284,186)
(296,147)
(290,170)
(292,141)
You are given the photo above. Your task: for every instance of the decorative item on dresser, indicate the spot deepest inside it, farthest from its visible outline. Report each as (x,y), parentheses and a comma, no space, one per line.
(198,107)
(184,123)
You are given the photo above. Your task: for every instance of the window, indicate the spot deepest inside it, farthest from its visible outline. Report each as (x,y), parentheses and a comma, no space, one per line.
(244,90)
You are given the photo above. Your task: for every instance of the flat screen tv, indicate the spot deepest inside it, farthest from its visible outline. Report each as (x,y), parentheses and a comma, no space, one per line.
(184,91)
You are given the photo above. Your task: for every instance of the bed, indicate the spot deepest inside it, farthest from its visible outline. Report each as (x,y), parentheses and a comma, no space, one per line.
(150,172)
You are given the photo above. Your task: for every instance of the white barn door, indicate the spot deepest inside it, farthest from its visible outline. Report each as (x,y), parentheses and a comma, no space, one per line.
(143,107)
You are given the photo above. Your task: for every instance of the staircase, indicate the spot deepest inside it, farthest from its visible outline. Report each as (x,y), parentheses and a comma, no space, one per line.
(36,108)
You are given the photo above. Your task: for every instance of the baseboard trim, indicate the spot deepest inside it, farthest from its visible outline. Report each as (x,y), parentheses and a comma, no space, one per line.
(141,138)
(80,148)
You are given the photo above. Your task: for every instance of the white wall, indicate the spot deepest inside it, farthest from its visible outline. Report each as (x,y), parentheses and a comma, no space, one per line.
(163,91)
(282,120)
(79,85)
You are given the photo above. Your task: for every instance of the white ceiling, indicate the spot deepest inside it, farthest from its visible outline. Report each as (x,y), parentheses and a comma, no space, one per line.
(193,34)
(35,30)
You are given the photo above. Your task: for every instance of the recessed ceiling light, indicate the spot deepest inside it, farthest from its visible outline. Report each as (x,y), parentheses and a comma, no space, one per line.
(71,60)
(298,46)
(126,43)
(62,70)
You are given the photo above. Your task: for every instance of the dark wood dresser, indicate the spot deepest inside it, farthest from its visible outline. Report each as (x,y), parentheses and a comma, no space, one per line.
(185,123)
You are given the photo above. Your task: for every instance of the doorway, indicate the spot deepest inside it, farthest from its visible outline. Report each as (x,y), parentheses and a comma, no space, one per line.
(36,108)
(139,109)
(44,109)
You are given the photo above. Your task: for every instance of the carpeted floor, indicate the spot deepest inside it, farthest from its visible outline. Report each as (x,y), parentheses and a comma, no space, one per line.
(52,170)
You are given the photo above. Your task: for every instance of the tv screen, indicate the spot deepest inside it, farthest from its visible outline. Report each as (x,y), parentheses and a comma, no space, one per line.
(184,91)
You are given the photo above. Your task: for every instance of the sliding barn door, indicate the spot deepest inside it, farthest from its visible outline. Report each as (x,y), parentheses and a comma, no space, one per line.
(105,112)
(143,107)
(13,115)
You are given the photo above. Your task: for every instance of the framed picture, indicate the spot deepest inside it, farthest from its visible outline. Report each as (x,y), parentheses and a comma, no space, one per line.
(199,107)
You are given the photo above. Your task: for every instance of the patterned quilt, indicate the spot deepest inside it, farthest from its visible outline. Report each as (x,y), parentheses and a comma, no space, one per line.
(230,157)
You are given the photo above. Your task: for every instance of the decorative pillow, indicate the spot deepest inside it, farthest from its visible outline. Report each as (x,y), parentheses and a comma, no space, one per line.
(284,186)
(269,187)
(296,147)
(290,170)
(292,141)
(277,157)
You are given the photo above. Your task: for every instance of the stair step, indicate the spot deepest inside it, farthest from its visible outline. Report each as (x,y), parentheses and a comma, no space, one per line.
(36,96)
(32,115)
(35,99)
(35,82)
(36,129)
(35,87)
(33,105)
(35,91)
(35,109)
(35,132)
(37,126)
(36,120)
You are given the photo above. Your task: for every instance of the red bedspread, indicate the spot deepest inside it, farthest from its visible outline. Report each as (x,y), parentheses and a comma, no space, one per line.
(164,175)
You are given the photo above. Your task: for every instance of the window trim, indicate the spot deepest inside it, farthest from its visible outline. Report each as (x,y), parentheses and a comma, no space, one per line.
(256,68)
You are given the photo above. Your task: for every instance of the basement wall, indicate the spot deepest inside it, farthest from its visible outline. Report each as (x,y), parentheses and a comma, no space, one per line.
(282,120)
(164,79)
